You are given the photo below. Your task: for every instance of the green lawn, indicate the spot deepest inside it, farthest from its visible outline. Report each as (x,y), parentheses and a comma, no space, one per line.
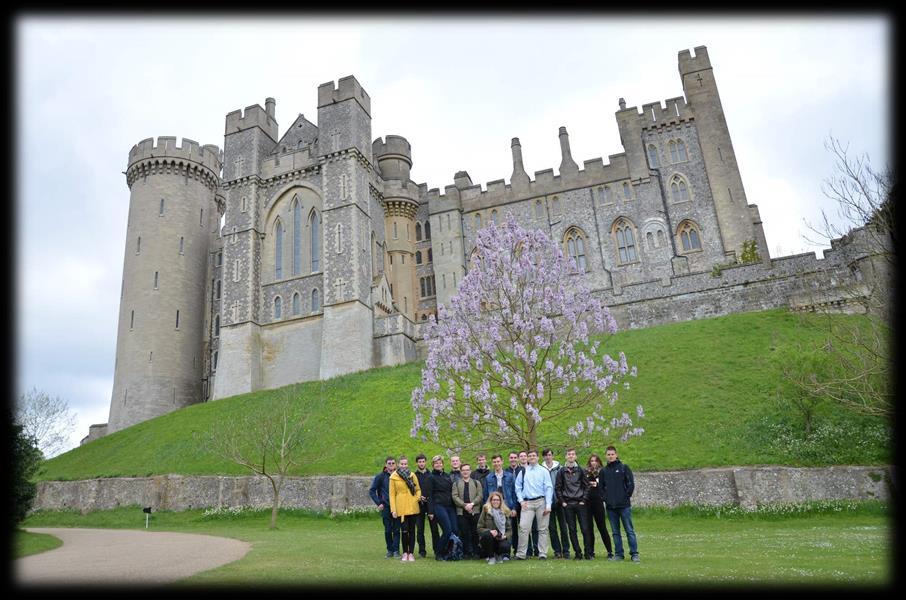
(27,543)
(708,388)
(842,544)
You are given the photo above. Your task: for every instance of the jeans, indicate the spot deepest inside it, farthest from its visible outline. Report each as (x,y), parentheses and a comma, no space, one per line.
(595,507)
(533,511)
(624,515)
(468,533)
(446,518)
(570,512)
(493,546)
(420,531)
(559,542)
(391,530)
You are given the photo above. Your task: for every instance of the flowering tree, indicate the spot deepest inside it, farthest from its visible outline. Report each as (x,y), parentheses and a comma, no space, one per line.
(515,348)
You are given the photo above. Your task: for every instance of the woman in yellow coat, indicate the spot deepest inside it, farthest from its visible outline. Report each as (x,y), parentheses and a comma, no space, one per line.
(404,495)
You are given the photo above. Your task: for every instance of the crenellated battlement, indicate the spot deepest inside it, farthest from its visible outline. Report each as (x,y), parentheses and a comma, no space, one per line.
(691,64)
(253,116)
(658,114)
(395,146)
(209,155)
(347,88)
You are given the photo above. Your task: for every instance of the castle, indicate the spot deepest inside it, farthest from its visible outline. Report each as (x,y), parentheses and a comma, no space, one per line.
(312,254)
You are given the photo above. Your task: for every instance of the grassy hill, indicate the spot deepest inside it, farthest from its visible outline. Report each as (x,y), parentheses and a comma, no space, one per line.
(708,388)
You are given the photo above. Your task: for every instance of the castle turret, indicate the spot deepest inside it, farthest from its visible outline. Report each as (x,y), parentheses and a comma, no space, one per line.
(730,201)
(567,165)
(394,157)
(519,179)
(160,337)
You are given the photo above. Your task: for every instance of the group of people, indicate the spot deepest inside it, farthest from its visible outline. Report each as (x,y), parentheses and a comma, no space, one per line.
(497,511)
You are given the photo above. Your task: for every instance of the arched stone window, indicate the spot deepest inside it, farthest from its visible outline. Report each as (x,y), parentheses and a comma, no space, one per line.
(677,151)
(297,236)
(418,257)
(431,258)
(315,300)
(689,236)
(624,235)
(477,221)
(575,240)
(555,205)
(539,209)
(679,189)
(494,216)
(660,237)
(314,225)
(418,232)
(297,303)
(278,307)
(650,237)
(627,191)
(652,157)
(427,230)
(278,250)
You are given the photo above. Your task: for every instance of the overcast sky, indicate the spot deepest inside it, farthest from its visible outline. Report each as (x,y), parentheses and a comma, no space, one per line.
(457,88)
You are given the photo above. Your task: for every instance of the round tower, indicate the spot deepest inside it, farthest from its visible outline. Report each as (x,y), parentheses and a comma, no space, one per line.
(172,213)
(394,159)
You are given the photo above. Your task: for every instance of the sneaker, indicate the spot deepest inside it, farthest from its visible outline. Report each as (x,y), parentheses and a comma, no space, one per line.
(542,557)
(492,561)
(499,558)
(609,555)
(405,557)
(423,554)
(557,555)
(635,558)
(505,558)
(389,554)
(615,558)
(566,555)
(520,557)
(396,555)
(578,557)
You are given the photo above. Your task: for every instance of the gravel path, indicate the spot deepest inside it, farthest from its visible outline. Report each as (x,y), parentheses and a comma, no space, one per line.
(118,557)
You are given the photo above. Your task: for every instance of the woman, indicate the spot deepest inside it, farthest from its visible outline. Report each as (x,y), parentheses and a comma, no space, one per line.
(404,495)
(596,507)
(495,532)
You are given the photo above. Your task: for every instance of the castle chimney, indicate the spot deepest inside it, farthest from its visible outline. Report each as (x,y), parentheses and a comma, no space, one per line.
(567,165)
(519,176)
(270,106)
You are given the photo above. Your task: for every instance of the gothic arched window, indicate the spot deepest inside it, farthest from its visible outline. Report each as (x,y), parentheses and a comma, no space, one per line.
(427,230)
(297,237)
(314,222)
(315,300)
(539,209)
(624,232)
(652,156)
(278,250)
(278,307)
(689,235)
(297,303)
(575,240)
(418,257)
(418,232)
(679,189)
(627,192)
(494,216)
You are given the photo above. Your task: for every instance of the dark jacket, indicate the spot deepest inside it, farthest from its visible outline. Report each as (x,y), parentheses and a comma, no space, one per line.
(509,488)
(380,489)
(480,474)
(572,485)
(617,484)
(441,490)
(424,482)
(594,491)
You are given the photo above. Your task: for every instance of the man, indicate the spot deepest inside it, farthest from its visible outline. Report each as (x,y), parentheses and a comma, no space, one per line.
(424,483)
(440,505)
(515,468)
(500,480)
(533,540)
(380,494)
(535,493)
(556,526)
(617,485)
(455,465)
(482,471)
(572,495)
(467,496)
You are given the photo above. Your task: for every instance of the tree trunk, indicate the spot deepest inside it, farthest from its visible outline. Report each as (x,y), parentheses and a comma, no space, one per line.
(276,488)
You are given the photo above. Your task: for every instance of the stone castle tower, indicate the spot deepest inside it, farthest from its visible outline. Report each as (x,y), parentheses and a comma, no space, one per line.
(314,254)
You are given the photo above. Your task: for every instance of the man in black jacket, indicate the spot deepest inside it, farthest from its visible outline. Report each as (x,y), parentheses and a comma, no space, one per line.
(482,470)
(380,494)
(440,505)
(424,483)
(572,494)
(617,485)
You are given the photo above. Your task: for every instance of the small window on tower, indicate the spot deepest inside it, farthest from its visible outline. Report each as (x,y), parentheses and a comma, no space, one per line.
(161,213)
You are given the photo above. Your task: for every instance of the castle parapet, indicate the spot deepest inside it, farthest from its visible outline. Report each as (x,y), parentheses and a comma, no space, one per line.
(254,116)
(209,155)
(346,88)
(690,64)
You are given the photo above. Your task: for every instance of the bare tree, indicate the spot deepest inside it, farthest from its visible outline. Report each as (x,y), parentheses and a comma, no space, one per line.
(47,419)
(853,361)
(266,440)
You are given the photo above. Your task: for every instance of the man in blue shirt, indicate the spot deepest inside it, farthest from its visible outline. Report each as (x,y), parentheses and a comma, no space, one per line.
(535,494)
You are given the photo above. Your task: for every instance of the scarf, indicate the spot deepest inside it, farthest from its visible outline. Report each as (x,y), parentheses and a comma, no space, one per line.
(499,520)
(406,474)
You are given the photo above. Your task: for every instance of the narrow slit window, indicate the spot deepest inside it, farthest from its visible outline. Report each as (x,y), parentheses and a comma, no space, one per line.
(181,245)
(177,319)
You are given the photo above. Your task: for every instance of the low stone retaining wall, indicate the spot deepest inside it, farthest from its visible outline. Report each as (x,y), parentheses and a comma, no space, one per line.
(748,487)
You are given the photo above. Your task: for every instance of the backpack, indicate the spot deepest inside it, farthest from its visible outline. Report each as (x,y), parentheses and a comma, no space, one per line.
(454,548)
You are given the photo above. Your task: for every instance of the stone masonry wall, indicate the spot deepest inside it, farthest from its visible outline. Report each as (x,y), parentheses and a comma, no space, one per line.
(748,487)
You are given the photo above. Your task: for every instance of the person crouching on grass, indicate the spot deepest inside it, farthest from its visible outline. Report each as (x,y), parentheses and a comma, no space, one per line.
(404,496)
(495,531)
